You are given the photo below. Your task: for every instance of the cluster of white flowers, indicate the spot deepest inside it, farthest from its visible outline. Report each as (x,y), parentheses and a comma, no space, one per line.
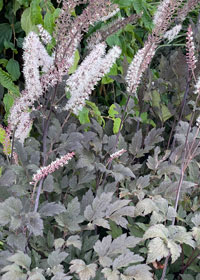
(116,154)
(158,16)
(35,56)
(171,34)
(91,70)
(44,35)
(138,65)
(23,127)
(190,47)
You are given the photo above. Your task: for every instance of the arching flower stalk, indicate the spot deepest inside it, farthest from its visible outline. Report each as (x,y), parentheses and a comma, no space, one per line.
(138,66)
(91,70)
(45,170)
(35,56)
(172,33)
(190,47)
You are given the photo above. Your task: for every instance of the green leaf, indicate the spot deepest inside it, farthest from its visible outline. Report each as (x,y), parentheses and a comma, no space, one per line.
(1,5)
(115,231)
(6,81)
(139,272)
(13,69)
(156,98)
(125,3)
(175,250)
(34,223)
(71,218)
(73,68)
(10,45)
(165,113)
(3,61)
(112,112)
(51,209)
(156,250)
(2,135)
(113,40)
(75,241)
(158,230)
(83,116)
(95,112)
(116,125)
(56,257)
(5,34)
(56,13)
(49,22)
(113,72)
(8,101)
(26,22)
(35,12)
(138,6)
(21,259)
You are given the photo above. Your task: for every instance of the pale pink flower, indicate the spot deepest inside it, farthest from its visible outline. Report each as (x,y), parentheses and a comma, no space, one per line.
(88,74)
(44,171)
(171,34)
(138,65)
(116,155)
(190,56)
(44,35)
(35,56)
(161,10)
(23,127)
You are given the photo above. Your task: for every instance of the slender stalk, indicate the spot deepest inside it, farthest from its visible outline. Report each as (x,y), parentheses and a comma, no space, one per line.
(117,139)
(45,156)
(184,165)
(190,261)
(38,195)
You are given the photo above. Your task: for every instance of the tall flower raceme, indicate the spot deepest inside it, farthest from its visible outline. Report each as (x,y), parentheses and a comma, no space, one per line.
(35,56)
(91,70)
(190,47)
(116,155)
(102,34)
(44,171)
(69,32)
(138,65)
(44,35)
(188,6)
(164,17)
(172,33)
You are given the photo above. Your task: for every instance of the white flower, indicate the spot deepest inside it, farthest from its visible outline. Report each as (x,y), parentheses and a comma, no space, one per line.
(23,127)
(138,65)
(158,16)
(171,34)
(35,56)
(44,34)
(116,154)
(91,70)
